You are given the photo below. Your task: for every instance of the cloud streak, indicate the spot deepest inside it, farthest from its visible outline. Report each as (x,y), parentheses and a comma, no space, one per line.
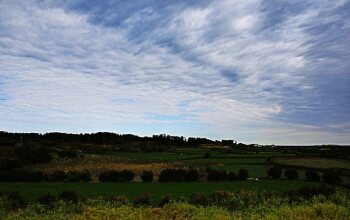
(248,70)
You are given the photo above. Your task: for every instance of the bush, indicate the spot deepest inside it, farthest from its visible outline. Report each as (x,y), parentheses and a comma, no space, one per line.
(77,176)
(142,199)
(172,175)
(192,175)
(117,199)
(9,164)
(206,155)
(216,175)
(312,176)
(69,196)
(165,200)
(309,192)
(34,155)
(198,199)
(67,155)
(243,174)
(47,200)
(220,197)
(274,172)
(57,176)
(13,201)
(331,177)
(147,176)
(22,176)
(291,174)
(232,176)
(116,176)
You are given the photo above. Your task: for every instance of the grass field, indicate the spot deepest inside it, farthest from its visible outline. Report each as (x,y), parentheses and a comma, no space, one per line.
(31,191)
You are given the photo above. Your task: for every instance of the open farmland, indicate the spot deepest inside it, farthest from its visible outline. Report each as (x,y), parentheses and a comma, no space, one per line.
(31,191)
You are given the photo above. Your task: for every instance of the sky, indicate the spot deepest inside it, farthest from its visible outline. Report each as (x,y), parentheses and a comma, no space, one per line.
(256,71)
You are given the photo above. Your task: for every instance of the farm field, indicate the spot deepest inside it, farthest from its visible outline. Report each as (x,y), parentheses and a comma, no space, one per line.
(31,191)
(313,162)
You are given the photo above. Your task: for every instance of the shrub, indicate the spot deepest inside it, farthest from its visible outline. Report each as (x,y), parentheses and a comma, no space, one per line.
(232,176)
(22,176)
(172,175)
(312,176)
(192,175)
(13,201)
(67,154)
(243,174)
(147,176)
(142,199)
(77,176)
(117,199)
(47,200)
(9,164)
(216,175)
(116,176)
(206,155)
(57,176)
(291,174)
(198,199)
(165,200)
(69,196)
(309,192)
(331,177)
(220,197)
(274,172)
(34,155)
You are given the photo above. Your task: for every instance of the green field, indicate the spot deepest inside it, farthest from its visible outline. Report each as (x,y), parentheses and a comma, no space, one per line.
(31,191)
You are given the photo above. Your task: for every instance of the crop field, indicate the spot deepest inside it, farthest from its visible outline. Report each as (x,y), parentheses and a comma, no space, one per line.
(313,162)
(31,191)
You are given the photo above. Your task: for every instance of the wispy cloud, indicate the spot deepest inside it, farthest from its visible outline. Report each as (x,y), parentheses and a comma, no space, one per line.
(229,69)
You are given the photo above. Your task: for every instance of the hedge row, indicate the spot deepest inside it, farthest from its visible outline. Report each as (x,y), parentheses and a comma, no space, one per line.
(37,176)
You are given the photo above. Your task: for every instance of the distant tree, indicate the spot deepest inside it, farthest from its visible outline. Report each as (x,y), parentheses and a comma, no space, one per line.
(291,174)
(312,176)
(231,176)
(147,176)
(274,172)
(243,174)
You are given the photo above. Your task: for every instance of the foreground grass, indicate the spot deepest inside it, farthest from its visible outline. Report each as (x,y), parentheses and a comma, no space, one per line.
(31,191)
(319,207)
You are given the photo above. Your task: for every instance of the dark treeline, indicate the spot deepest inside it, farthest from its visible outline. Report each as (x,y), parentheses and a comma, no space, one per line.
(105,138)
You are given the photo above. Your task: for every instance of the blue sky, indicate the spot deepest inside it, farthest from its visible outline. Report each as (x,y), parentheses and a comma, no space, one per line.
(252,70)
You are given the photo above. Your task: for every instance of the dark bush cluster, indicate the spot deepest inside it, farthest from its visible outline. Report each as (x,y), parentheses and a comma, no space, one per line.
(309,192)
(117,199)
(116,176)
(243,174)
(147,176)
(216,175)
(198,199)
(274,172)
(57,176)
(67,154)
(47,199)
(178,175)
(34,155)
(78,176)
(231,176)
(9,164)
(22,176)
(142,199)
(291,174)
(12,201)
(331,177)
(312,176)
(165,200)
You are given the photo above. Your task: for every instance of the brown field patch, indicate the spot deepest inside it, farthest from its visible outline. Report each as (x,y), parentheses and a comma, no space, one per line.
(96,164)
